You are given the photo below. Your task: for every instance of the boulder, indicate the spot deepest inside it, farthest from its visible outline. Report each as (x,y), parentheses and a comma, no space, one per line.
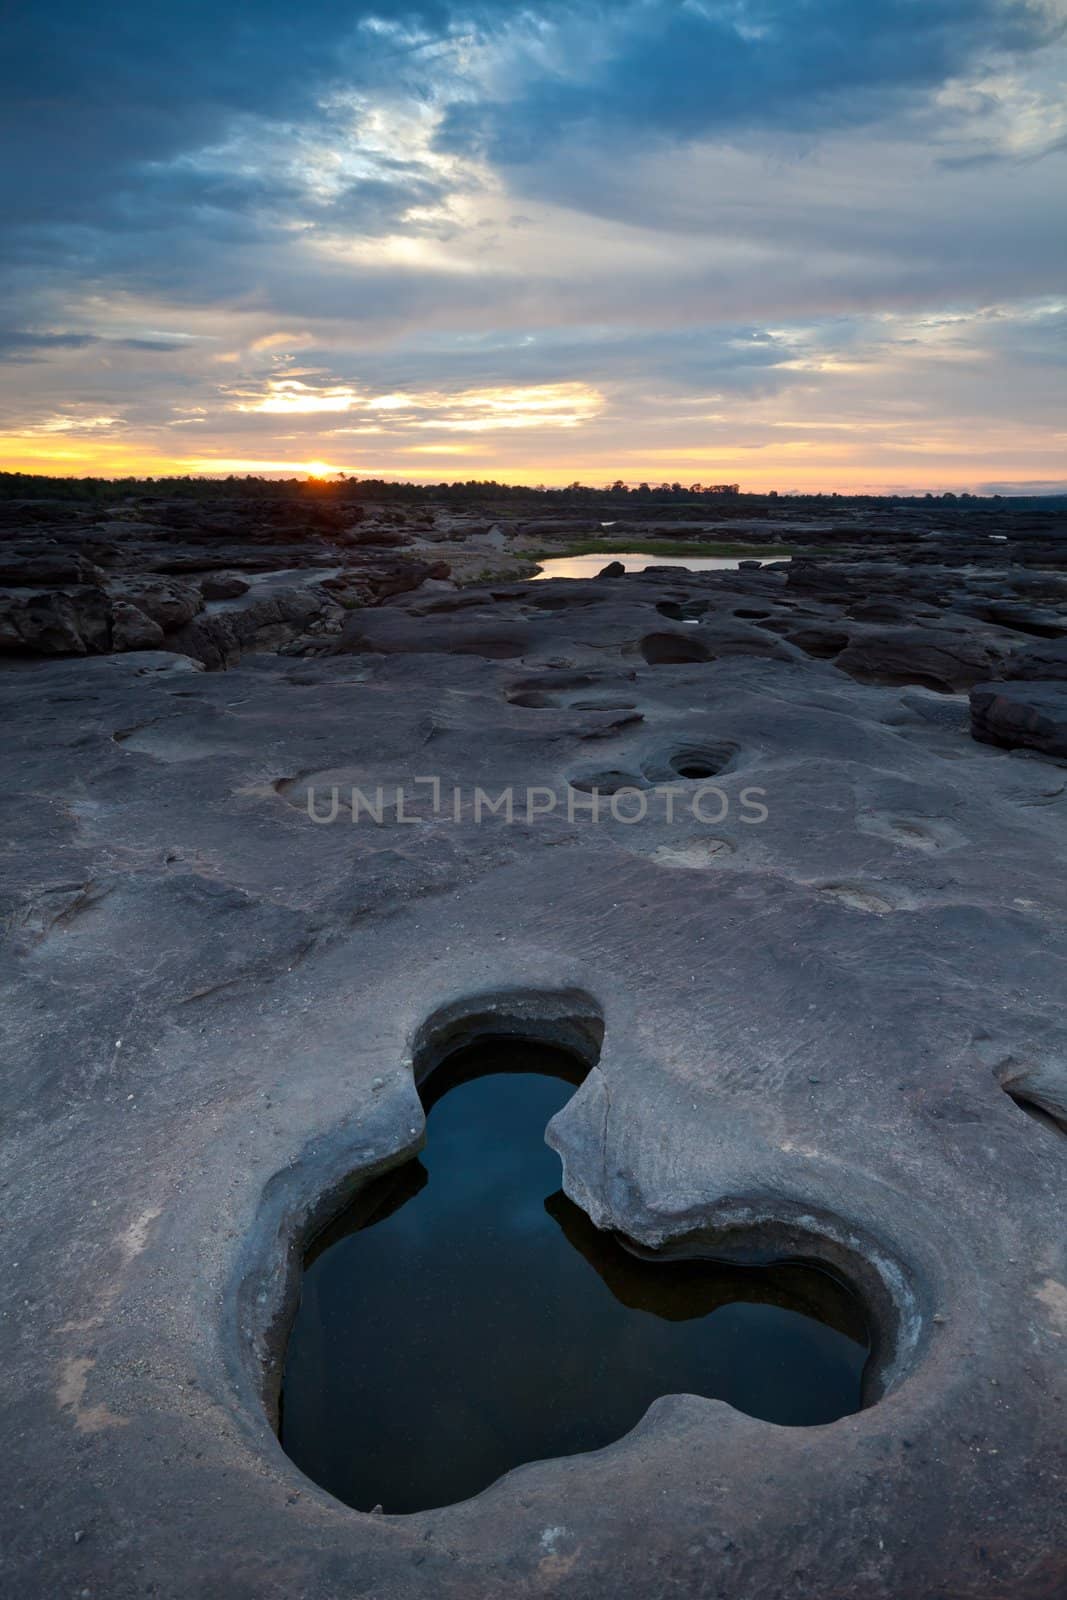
(132,630)
(223,586)
(219,639)
(54,622)
(400,575)
(1024,715)
(373,537)
(46,565)
(168,601)
(934,657)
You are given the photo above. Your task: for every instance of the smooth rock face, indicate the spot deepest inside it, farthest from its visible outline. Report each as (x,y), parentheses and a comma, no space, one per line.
(822,1003)
(223,586)
(941,660)
(1027,715)
(1039,661)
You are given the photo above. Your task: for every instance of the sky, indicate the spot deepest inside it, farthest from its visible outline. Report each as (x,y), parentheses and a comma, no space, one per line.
(793,244)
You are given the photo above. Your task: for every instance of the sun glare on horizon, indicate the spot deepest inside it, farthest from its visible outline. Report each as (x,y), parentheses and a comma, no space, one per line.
(812,257)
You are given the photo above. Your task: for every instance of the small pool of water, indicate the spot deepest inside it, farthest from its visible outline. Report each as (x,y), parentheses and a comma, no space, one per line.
(464,1316)
(589,566)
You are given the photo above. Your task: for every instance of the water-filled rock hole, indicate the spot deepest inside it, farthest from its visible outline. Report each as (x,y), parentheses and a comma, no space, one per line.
(463,1316)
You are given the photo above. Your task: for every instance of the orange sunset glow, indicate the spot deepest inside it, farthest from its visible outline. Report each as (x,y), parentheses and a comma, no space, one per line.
(440,277)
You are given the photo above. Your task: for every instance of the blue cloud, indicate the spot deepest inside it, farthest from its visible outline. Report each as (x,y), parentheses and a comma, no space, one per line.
(702,359)
(697,69)
(184,153)
(90,95)
(110,114)
(18,345)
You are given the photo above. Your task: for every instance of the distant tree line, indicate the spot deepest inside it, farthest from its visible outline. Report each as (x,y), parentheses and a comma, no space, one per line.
(472,493)
(25,486)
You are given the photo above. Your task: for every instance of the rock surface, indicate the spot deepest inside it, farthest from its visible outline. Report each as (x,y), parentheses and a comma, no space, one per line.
(833,1030)
(283,568)
(1039,661)
(1030,715)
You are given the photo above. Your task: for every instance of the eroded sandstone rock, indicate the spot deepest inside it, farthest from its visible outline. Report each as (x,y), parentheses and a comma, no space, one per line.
(131,629)
(1028,715)
(54,622)
(843,1023)
(1040,661)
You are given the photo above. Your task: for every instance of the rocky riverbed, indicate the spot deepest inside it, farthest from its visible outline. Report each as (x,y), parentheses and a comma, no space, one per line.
(782,848)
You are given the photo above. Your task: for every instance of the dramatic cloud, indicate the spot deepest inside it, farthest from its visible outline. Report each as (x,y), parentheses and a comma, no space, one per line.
(697,69)
(794,242)
(564,405)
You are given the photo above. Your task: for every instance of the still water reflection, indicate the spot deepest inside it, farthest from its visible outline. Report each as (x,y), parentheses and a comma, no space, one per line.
(589,566)
(464,1316)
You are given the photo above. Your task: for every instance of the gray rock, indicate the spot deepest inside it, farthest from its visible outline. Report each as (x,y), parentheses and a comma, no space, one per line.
(219,639)
(837,1032)
(223,586)
(1029,715)
(823,640)
(809,1053)
(169,602)
(1041,621)
(1040,661)
(935,658)
(45,564)
(132,630)
(54,622)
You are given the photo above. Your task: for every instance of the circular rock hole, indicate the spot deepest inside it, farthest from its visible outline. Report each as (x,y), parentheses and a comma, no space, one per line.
(690,763)
(695,767)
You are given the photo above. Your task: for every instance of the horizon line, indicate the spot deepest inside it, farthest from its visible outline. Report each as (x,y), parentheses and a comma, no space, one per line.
(728,492)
